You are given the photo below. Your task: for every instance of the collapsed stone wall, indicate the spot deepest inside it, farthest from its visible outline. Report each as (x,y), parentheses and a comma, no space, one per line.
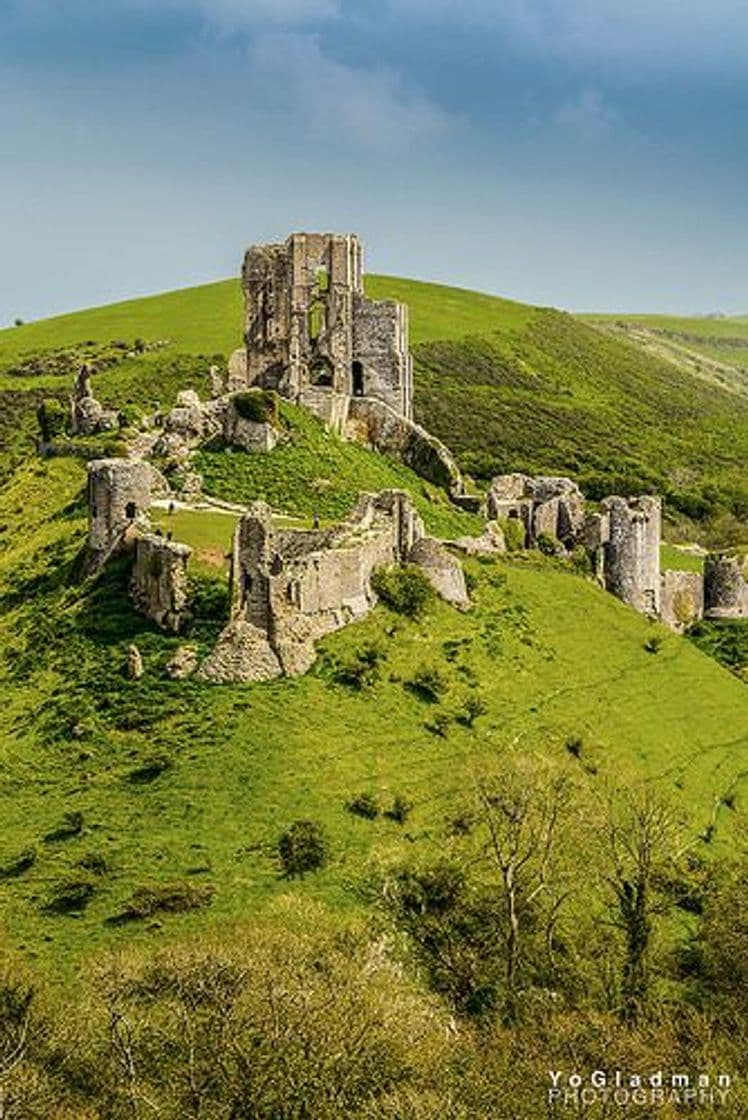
(375,424)
(545,506)
(681,599)
(159,580)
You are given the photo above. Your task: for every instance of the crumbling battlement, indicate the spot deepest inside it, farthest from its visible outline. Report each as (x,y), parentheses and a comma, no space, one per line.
(312,334)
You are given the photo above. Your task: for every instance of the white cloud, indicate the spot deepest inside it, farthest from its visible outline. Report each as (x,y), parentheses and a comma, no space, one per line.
(328,100)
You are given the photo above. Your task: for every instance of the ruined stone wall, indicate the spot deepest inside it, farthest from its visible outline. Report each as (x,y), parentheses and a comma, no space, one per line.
(547,505)
(725,586)
(159,580)
(119,494)
(383,367)
(290,587)
(681,599)
(632,552)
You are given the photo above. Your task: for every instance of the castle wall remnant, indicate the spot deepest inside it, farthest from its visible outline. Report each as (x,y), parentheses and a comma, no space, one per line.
(726,585)
(159,580)
(119,494)
(313,335)
(681,599)
(547,505)
(290,587)
(632,551)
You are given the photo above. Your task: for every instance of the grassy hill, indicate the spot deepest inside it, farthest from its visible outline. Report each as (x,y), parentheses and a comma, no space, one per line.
(615,403)
(108,784)
(160,781)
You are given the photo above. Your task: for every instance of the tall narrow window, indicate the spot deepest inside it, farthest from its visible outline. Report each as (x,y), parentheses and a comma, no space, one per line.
(357,378)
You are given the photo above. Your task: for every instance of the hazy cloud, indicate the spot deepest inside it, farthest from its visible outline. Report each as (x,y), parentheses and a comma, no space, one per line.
(341,104)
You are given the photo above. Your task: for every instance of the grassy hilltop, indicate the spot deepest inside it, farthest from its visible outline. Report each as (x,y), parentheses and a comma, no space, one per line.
(114,784)
(646,403)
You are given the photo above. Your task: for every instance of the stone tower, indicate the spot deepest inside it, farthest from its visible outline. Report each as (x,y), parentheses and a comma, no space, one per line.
(119,493)
(632,551)
(725,585)
(312,334)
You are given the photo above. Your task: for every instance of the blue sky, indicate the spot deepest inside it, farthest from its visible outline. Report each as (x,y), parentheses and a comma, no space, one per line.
(590,154)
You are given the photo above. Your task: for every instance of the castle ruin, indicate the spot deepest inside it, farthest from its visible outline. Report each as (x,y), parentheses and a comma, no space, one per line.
(312,334)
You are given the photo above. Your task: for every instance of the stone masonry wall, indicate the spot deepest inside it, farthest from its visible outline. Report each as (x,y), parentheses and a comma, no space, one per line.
(159,580)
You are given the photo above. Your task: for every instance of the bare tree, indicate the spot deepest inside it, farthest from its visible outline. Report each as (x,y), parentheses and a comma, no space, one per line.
(641,836)
(522,821)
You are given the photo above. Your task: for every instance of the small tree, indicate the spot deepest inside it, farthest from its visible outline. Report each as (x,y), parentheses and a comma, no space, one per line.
(302,847)
(641,847)
(405,590)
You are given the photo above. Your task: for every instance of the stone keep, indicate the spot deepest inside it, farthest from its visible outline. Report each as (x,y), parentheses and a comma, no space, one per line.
(632,551)
(313,336)
(119,493)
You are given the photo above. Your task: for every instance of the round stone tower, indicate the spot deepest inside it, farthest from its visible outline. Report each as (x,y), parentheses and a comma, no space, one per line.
(725,585)
(632,551)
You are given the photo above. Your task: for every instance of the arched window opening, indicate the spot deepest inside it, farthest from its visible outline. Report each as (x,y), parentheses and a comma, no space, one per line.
(357,378)
(131,511)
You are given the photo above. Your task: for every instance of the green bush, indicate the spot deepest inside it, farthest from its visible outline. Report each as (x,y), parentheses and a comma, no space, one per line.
(428,684)
(548,545)
(302,847)
(257,405)
(404,590)
(364,805)
(16,865)
(474,706)
(362,669)
(52,417)
(176,897)
(72,894)
(515,534)
(399,810)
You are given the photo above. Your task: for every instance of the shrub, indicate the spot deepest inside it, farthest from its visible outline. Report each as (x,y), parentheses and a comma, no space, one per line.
(580,560)
(258,405)
(399,811)
(70,826)
(302,847)
(474,706)
(130,416)
(515,534)
(439,725)
(361,670)
(208,598)
(404,590)
(548,545)
(176,897)
(653,644)
(428,684)
(52,417)
(364,805)
(72,893)
(16,866)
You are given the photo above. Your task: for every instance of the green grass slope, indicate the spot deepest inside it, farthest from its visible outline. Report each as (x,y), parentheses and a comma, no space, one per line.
(188,782)
(508,386)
